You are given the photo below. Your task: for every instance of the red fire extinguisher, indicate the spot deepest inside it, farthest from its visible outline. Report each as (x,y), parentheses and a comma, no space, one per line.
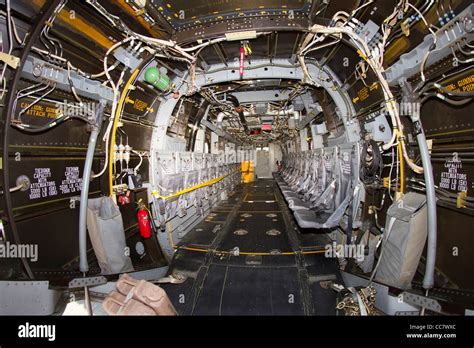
(143,221)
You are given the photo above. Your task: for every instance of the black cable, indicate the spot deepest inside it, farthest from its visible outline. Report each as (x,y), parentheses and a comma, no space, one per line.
(447,100)
(43,16)
(238,108)
(26,128)
(370,169)
(443,89)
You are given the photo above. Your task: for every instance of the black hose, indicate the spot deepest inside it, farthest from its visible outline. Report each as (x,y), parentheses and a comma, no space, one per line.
(86,176)
(238,108)
(199,116)
(443,89)
(370,170)
(447,100)
(44,14)
(48,126)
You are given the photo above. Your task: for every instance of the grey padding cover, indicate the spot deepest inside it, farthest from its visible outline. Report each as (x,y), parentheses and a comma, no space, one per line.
(312,219)
(404,242)
(298,204)
(106,232)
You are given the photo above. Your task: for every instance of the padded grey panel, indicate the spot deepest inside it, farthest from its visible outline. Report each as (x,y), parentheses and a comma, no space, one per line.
(299,204)
(310,219)
(404,241)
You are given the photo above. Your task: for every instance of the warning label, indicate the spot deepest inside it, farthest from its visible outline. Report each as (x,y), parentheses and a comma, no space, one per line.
(452,178)
(43,187)
(464,85)
(40,110)
(364,93)
(72,182)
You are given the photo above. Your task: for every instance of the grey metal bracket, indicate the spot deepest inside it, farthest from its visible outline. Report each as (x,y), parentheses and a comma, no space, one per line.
(38,70)
(455,31)
(127,58)
(87,281)
(422,301)
(307,119)
(220,132)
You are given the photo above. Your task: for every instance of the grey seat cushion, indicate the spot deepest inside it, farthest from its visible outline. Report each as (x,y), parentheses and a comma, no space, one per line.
(310,219)
(299,204)
(291,195)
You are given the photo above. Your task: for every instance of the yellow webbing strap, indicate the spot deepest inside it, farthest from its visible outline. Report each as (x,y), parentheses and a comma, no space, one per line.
(189,189)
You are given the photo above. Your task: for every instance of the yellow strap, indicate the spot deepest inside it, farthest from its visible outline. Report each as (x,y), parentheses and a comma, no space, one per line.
(189,189)
(362,55)
(308,252)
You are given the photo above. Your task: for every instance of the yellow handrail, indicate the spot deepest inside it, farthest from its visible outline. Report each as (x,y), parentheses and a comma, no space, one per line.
(189,189)
(114,129)
(307,252)
(401,189)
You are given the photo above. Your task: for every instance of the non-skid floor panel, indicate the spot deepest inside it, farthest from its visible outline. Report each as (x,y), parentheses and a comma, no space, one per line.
(187,261)
(260,197)
(203,234)
(179,294)
(261,291)
(314,239)
(256,234)
(209,300)
(217,216)
(254,282)
(260,206)
(253,260)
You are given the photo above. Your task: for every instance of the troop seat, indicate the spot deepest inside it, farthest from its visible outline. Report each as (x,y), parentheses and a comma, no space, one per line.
(318,185)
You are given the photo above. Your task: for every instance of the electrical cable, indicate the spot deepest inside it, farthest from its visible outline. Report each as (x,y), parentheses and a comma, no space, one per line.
(372,164)
(44,14)
(116,118)
(468,94)
(10,47)
(53,123)
(470,60)
(446,99)
(135,170)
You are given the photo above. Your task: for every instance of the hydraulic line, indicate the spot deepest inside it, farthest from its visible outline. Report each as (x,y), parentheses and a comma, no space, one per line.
(446,99)
(45,12)
(469,94)
(50,125)
(238,108)
(86,176)
(428,280)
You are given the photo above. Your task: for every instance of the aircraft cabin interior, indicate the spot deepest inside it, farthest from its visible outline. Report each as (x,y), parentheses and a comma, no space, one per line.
(237,158)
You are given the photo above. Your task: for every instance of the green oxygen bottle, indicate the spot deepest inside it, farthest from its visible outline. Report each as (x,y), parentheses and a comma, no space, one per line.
(158,78)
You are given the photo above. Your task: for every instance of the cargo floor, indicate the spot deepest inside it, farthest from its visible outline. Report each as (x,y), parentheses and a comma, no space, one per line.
(248,258)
